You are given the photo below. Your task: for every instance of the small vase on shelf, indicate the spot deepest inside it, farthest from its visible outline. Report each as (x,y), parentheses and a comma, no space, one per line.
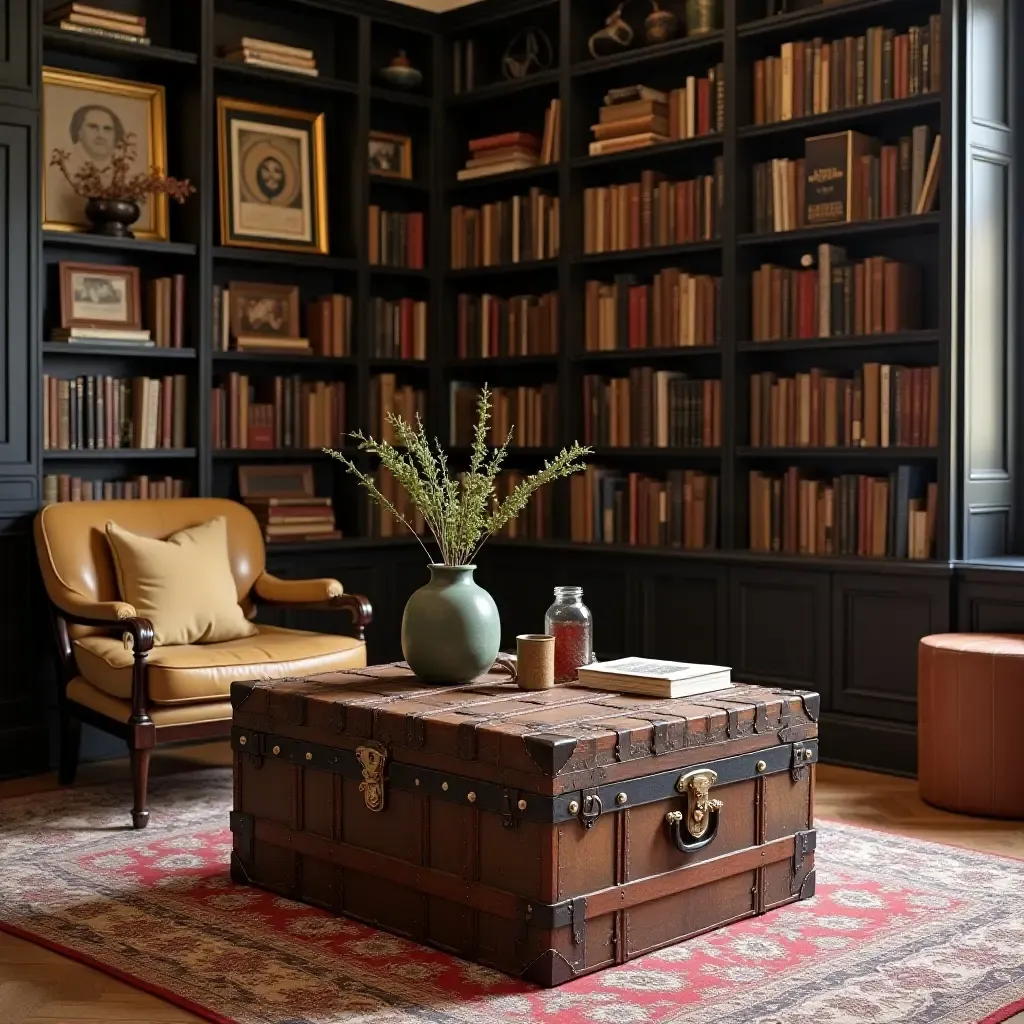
(113,217)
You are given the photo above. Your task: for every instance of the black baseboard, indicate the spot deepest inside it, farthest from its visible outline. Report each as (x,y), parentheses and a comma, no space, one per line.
(868,743)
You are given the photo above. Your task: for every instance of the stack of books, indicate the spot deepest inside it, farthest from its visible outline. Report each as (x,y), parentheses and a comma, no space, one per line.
(632,117)
(97,21)
(498,154)
(115,337)
(655,678)
(263,53)
(294,519)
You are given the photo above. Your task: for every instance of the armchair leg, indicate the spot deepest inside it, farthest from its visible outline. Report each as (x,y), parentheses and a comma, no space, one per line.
(140,783)
(70,741)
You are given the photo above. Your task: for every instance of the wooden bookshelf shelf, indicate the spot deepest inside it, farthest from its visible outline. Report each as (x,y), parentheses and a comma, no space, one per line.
(826,232)
(640,57)
(526,178)
(853,341)
(271,454)
(74,349)
(504,90)
(382,364)
(642,454)
(846,117)
(647,355)
(894,454)
(104,243)
(288,79)
(666,150)
(380,270)
(310,547)
(796,21)
(411,185)
(118,454)
(61,41)
(502,362)
(527,267)
(306,260)
(285,360)
(653,253)
(380,94)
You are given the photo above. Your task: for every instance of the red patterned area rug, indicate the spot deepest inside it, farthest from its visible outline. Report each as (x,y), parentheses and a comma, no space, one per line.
(900,931)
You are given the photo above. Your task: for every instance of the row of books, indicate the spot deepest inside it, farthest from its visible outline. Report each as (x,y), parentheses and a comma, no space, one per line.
(833,297)
(59,487)
(884,181)
(638,115)
(328,327)
(515,230)
(890,516)
(610,507)
(99,412)
(277,412)
(397,328)
(490,325)
(515,151)
(818,76)
(878,406)
(675,310)
(652,409)
(396,238)
(88,19)
(401,400)
(529,413)
(653,211)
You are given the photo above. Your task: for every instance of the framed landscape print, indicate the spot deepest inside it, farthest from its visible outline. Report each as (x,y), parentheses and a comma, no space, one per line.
(93,295)
(273,188)
(269,310)
(390,156)
(87,116)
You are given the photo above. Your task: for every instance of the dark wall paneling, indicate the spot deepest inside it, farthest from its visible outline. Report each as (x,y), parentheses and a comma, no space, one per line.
(779,627)
(990,601)
(877,621)
(18,46)
(869,743)
(684,613)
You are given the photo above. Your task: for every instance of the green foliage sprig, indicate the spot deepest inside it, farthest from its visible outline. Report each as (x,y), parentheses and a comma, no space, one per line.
(462,511)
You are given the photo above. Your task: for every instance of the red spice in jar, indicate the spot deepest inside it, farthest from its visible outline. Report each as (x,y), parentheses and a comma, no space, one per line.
(572,648)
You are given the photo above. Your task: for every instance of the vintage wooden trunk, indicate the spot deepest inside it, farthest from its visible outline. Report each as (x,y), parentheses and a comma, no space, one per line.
(545,834)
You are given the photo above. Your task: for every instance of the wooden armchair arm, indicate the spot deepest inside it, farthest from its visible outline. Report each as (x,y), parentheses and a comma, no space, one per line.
(315,594)
(115,617)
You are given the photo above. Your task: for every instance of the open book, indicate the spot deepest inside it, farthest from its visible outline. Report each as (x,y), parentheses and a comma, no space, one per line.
(654,678)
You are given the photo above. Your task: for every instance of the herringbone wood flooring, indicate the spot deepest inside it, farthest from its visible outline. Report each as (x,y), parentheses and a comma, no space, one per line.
(41,987)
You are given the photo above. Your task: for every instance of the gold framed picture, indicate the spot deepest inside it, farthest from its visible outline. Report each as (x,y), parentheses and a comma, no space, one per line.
(94,295)
(390,156)
(265,310)
(87,116)
(273,177)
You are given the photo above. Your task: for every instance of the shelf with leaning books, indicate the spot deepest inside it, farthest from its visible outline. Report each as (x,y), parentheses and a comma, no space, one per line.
(895,339)
(920,222)
(664,153)
(874,114)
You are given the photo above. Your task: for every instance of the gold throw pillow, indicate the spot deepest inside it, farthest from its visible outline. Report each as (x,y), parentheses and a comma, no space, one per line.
(183,585)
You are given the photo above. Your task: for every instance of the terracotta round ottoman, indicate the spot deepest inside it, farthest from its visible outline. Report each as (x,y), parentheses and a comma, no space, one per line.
(970,723)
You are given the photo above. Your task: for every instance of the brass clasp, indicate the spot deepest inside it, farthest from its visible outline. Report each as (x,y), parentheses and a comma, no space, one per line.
(372,757)
(700,805)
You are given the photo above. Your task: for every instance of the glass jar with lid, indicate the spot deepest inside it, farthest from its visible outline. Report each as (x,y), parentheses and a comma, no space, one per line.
(569,621)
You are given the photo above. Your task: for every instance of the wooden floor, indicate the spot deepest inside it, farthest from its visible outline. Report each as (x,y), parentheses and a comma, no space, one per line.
(38,986)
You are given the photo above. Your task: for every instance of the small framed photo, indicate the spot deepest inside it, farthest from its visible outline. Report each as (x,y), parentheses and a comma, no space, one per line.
(93,295)
(265,310)
(275,482)
(273,177)
(390,155)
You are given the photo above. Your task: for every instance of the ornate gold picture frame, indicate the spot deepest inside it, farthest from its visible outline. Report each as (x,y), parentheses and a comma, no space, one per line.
(273,177)
(87,115)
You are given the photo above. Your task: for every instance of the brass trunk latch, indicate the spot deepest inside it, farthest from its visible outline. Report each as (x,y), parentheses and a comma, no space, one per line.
(372,758)
(695,827)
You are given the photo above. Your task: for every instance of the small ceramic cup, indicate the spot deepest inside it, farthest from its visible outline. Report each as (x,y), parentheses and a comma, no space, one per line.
(535,661)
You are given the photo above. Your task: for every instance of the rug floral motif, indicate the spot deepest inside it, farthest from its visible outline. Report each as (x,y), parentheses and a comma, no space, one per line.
(900,931)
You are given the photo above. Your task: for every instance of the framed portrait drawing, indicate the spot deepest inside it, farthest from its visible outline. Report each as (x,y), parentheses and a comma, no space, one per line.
(93,295)
(265,310)
(87,116)
(273,187)
(390,156)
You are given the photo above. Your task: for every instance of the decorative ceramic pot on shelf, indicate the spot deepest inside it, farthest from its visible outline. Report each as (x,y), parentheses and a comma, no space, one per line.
(112,217)
(401,74)
(660,25)
(451,630)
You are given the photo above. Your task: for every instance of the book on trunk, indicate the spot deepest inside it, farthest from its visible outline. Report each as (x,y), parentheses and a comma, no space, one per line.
(655,678)
(832,165)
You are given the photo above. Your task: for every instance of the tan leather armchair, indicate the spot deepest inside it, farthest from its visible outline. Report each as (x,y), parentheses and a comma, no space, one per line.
(150,695)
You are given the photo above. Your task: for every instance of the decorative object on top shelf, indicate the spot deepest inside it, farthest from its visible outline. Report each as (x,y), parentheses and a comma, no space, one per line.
(528,53)
(390,155)
(660,25)
(401,74)
(616,35)
(263,53)
(98,21)
(701,17)
(265,317)
(273,177)
(111,125)
(450,628)
(285,503)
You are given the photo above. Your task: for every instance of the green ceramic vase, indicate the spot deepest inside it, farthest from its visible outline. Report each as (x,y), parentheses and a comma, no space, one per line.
(451,631)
